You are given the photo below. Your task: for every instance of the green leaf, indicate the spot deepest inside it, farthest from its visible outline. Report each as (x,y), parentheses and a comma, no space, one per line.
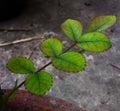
(100,23)
(72,29)
(70,62)
(51,47)
(94,42)
(38,83)
(20,65)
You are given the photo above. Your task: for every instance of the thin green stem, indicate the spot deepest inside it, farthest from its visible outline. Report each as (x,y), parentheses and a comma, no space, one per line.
(22,83)
(8,94)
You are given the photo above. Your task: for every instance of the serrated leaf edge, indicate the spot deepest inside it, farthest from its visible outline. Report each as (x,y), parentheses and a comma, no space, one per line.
(44,92)
(73,71)
(18,57)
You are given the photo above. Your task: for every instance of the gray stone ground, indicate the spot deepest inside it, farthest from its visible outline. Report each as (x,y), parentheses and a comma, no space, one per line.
(95,89)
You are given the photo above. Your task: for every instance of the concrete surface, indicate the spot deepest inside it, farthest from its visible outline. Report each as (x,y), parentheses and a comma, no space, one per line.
(95,89)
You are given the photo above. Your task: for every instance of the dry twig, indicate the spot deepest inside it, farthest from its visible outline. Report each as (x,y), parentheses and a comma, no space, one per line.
(15,29)
(23,40)
(116,66)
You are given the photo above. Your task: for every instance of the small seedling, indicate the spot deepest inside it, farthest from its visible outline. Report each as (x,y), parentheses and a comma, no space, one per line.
(39,82)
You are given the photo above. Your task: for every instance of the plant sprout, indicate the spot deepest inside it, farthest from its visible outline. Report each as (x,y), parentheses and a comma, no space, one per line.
(39,82)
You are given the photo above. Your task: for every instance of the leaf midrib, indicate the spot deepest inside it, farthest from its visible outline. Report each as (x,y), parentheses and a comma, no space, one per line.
(99,26)
(67,61)
(84,41)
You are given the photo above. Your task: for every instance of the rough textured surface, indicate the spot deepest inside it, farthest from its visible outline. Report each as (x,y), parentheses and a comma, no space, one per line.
(95,89)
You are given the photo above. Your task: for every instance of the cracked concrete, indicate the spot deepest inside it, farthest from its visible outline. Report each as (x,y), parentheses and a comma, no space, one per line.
(95,89)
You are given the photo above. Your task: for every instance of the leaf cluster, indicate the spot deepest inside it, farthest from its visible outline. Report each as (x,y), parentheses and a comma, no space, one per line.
(70,61)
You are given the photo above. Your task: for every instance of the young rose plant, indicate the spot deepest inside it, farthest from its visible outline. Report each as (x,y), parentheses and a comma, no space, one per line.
(39,82)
